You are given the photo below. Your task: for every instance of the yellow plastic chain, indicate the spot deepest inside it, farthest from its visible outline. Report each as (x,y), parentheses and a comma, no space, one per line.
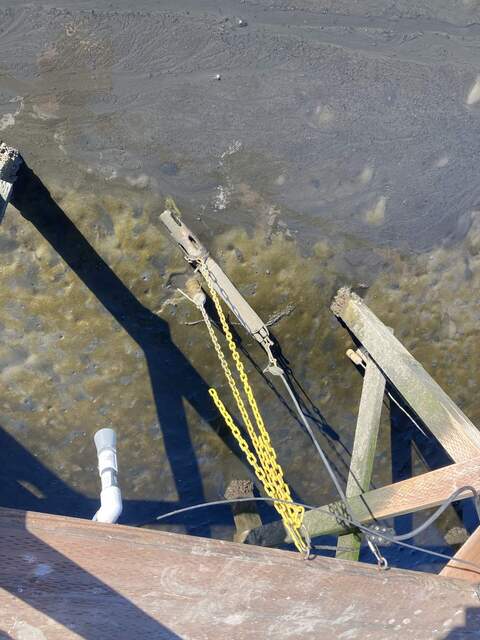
(264,463)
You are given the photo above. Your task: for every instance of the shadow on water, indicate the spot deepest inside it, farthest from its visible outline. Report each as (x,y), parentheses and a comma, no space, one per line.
(173,379)
(406,439)
(67,593)
(27,484)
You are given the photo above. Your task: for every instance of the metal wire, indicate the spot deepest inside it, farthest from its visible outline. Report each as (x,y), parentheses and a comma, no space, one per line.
(308,507)
(362,363)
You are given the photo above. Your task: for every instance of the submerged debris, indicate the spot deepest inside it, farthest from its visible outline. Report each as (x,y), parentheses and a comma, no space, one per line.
(279,315)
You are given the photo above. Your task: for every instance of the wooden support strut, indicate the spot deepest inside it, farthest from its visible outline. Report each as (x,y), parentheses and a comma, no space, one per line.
(470,551)
(245,514)
(365,443)
(414,494)
(455,432)
(67,578)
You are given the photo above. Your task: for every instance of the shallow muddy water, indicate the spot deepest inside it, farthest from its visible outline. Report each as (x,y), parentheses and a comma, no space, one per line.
(338,146)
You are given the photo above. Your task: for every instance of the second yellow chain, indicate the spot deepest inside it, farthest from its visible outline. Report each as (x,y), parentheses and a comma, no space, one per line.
(264,463)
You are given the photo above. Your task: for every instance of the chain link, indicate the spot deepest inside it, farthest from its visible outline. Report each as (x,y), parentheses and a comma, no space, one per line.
(264,463)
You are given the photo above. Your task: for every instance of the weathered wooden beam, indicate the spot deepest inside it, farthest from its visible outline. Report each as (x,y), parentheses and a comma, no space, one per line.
(414,494)
(456,433)
(469,551)
(364,445)
(245,514)
(66,579)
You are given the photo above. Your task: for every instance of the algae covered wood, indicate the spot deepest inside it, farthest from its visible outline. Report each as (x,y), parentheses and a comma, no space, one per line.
(414,494)
(363,453)
(455,432)
(245,514)
(10,162)
(469,551)
(65,578)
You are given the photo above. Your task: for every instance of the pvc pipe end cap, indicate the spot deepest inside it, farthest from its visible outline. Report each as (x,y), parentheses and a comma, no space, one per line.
(105,439)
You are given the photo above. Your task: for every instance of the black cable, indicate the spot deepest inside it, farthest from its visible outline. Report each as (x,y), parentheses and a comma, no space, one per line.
(353,522)
(350,519)
(455,496)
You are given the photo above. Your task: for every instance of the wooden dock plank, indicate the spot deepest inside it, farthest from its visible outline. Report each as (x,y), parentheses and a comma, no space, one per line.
(63,578)
(364,446)
(414,494)
(457,434)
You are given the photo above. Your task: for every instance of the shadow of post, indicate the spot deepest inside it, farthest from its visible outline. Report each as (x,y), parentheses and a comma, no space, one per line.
(173,379)
(28,485)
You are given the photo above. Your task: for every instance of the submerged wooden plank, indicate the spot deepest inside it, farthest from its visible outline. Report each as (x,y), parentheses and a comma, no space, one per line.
(469,551)
(414,494)
(457,434)
(363,453)
(63,578)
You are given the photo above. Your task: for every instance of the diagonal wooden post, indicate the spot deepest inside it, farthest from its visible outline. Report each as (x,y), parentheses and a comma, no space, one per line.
(364,445)
(470,551)
(455,432)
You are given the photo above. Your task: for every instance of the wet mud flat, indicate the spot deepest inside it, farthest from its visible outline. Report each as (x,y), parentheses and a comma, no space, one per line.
(338,146)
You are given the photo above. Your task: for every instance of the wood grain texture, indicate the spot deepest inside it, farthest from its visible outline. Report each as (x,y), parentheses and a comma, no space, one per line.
(414,494)
(457,434)
(363,453)
(469,551)
(65,578)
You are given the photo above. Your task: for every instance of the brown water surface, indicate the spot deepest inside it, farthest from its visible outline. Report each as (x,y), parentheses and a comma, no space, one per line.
(339,146)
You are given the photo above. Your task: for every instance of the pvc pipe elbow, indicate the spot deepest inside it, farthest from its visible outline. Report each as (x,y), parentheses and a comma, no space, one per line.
(110,495)
(110,505)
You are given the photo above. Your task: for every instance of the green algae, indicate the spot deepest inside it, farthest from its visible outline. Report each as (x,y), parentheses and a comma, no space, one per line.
(70,368)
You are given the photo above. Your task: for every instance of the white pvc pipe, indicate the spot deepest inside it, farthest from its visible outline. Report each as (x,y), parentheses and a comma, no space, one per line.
(110,505)
(110,496)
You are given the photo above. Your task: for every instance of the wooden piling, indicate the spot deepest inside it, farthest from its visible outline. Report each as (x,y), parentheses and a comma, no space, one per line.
(455,432)
(245,514)
(365,443)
